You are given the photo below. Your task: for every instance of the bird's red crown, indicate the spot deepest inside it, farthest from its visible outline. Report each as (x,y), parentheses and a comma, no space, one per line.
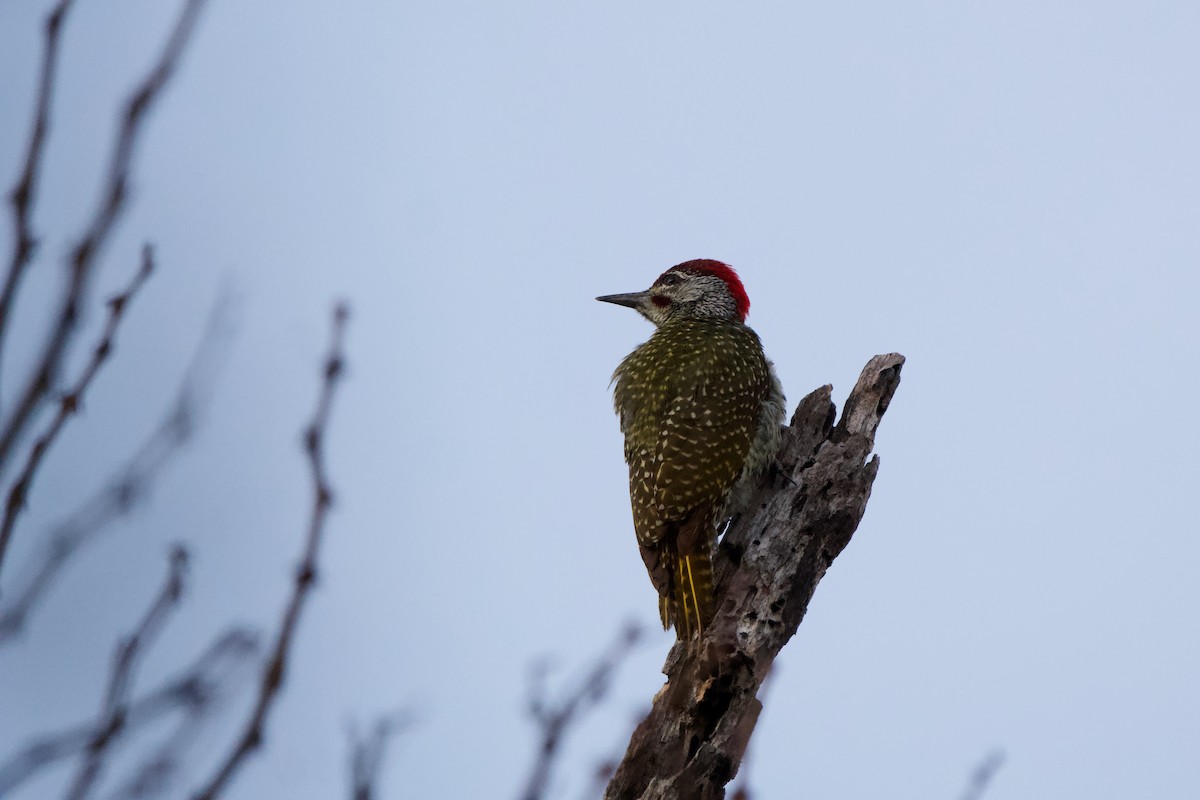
(710,266)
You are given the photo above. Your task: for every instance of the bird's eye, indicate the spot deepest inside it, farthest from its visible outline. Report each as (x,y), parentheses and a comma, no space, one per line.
(669,279)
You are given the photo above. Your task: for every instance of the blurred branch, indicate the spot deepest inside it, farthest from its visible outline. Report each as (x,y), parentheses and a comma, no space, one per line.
(130,487)
(70,402)
(24,194)
(275,668)
(604,768)
(601,774)
(982,775)
(766,570)
(555,720)
(194,692)
(366,753)
(116,699)
(153,777)
(83,256)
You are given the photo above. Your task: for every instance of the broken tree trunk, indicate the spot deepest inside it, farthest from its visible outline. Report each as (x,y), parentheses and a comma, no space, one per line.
(767,567)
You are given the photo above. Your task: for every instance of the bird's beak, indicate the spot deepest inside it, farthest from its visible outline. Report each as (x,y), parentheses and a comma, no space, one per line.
(632,299)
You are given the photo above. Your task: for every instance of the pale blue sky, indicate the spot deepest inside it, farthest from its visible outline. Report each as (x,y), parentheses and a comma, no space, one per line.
(1007,193)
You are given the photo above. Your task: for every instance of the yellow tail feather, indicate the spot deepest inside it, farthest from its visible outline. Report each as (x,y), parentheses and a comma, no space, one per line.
(691,608)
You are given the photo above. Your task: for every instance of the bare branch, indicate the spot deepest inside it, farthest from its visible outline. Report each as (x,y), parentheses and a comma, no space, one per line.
(555,719)
(83,256)
(275,668)
(70,402)
(111,724)
(982,775)
(366,753)
(767,568)
(24,193)
(131,486)
(194,691)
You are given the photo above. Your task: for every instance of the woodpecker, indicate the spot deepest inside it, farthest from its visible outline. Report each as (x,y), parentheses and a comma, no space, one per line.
(701,410)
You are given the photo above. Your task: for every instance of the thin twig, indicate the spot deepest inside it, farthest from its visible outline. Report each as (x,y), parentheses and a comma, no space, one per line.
(132,484)
(275,668)
(70,402)
(111,724)
(982,775)
(555,719)
(24,194)
(194,691)
(83,256)
(366,753)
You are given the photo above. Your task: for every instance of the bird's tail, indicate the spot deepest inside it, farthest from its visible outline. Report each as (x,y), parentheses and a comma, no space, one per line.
(689,607)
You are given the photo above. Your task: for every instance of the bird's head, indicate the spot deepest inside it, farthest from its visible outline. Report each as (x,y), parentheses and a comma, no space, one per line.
(702,288)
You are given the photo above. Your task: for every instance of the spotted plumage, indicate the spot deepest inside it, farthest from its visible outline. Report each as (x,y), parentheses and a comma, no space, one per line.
(701,410)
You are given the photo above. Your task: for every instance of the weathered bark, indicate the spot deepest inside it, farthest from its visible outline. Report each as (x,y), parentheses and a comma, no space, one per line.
(768,565)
